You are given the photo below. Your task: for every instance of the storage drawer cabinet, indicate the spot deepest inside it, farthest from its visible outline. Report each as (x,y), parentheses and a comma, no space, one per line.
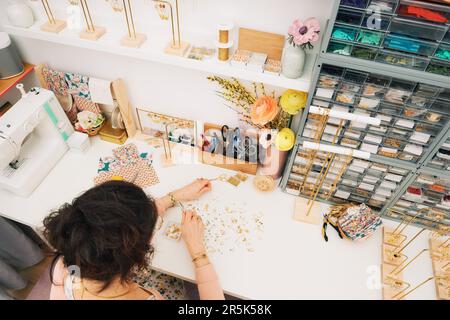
(428,197)
(424,11)
(412,114)
(419,30)
(408,34)
(414,120)
(358,181)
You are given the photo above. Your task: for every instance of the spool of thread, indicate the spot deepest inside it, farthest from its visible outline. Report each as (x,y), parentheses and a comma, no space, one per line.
(224,50)
(224,44)
(224,54)
(223,36)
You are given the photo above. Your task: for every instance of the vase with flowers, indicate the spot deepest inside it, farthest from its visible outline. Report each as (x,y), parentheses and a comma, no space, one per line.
(267,113)
(301,36)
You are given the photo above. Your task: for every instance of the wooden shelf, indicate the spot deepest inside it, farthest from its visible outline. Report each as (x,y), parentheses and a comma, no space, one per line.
(152,50)
(7,84)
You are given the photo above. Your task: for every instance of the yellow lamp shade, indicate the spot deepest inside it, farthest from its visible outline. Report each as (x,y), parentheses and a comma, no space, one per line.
(285,139)
(292,101)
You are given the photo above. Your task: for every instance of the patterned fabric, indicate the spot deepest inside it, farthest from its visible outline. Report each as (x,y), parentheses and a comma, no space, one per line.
(83,104)
(55,81)
(78,85)
(169,287)
(359,222)
(128,164)
(72,114)
(127,154)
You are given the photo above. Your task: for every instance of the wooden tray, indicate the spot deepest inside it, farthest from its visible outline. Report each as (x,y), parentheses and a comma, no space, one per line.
(221,161)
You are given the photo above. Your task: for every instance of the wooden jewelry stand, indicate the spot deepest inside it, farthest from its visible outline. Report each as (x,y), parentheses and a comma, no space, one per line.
(91,32)
(119,94)
(176,47)
(167,158)
(300,214)
(133,39)
(53,25)
(394,262)
(440,259)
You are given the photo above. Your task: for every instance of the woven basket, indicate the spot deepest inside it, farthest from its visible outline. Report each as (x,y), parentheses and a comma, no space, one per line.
(94,131)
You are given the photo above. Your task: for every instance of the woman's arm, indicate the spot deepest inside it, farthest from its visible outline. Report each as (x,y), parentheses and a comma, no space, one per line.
(207,280)
(190,192)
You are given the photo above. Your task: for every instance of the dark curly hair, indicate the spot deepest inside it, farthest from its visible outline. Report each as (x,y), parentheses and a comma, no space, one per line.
(106,231)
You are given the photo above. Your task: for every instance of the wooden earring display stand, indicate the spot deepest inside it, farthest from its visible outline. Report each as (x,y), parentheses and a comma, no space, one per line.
(119,94)
(91,32)
(393,284)
(439,251)
(133,39)
(176,47)
(53,25)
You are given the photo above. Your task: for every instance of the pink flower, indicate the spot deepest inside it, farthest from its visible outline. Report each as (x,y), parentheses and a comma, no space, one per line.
(303,33)
(264,110)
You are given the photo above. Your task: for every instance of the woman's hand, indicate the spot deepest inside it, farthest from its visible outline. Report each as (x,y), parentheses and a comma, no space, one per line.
(193,231)
(193,191)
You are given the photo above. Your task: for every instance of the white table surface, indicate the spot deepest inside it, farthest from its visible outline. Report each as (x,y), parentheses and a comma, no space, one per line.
(290,261)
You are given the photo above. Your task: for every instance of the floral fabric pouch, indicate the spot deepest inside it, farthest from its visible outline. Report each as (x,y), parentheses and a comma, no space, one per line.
(353,222)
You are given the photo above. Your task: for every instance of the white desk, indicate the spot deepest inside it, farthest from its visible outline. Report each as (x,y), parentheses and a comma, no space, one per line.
(291,261)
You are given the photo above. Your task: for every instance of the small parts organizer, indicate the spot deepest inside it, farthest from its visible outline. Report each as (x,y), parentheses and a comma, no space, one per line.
(411,138)
(395,285)
(427,196)
(405,33)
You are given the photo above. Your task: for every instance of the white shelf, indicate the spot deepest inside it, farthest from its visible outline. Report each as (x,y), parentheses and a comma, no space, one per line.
(152,51)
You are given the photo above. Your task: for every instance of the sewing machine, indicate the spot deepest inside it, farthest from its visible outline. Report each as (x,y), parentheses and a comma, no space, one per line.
(33,135)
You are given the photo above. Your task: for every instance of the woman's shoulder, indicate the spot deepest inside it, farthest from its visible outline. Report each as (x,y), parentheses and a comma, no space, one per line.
(58,272)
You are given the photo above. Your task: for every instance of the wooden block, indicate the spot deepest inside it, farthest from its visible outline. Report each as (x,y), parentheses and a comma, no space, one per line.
(181,51)
(391,239)
(389,291)
(389,258)
(300,210)
(440,268)
(94,35)
(386,270)
(221,161)
(258,41)
(119,93)
(133,43)
(166,161)
(54,27)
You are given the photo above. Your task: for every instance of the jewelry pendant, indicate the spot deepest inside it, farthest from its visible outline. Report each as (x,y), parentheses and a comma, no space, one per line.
(117,6)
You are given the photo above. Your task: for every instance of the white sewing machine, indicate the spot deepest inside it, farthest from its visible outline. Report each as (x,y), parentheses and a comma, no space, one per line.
(33,136)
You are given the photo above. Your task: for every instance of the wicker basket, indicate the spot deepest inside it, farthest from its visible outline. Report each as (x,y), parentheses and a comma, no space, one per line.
(94,131)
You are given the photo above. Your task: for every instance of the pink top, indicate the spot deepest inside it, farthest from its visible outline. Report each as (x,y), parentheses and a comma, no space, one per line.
(208,284)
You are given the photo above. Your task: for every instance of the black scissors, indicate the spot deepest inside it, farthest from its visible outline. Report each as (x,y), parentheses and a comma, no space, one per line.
(231,141)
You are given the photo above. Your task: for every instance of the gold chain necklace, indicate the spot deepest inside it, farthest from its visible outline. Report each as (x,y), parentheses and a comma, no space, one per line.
(99,296)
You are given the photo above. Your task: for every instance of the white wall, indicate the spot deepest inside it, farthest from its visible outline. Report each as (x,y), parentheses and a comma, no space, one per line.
(163,88)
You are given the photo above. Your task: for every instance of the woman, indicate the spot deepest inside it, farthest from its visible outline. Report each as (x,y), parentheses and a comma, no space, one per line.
(105,234)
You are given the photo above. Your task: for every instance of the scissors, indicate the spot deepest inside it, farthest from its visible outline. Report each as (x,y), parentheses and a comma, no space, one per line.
(248,150)
(231,141)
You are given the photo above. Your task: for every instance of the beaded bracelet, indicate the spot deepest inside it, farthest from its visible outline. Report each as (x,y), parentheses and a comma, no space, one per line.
(173,200)
(199,256)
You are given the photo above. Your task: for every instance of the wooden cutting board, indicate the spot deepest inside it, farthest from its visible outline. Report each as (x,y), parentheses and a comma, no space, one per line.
(258,41)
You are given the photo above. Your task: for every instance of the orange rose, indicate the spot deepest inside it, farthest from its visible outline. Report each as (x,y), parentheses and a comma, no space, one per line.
(264,110)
